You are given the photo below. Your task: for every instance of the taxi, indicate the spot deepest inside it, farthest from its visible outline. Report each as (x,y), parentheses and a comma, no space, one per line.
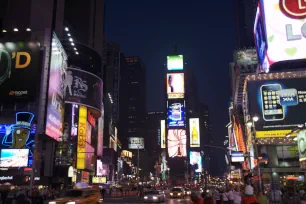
(80,196)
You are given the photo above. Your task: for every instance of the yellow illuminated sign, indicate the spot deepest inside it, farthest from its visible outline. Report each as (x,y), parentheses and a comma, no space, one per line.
(273,133)
(98,179)
(81,148)
(194,131)
(163,134)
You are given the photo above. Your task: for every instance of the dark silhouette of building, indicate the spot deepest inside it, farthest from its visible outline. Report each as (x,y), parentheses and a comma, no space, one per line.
(206,137)
(132,104)
(244,11)
(153,137)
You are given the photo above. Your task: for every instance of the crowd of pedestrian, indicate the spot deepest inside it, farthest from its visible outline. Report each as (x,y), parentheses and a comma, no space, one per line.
(234,195)
(23,195)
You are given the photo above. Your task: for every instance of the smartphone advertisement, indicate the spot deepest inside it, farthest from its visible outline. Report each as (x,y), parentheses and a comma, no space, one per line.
(176,114)
(279,25)
(279,104)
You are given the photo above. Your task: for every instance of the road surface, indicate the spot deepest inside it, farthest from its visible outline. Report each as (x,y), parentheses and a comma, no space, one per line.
(132,200)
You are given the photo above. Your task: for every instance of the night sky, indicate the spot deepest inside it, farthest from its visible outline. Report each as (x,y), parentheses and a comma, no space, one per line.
(205,34)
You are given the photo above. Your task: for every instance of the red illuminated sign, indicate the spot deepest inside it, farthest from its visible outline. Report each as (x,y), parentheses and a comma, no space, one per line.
(91,119)
(293,8)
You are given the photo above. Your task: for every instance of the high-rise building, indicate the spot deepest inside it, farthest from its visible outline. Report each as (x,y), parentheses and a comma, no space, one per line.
(206,136)
(192,99)
(153,137)
(244,11)
(132,105)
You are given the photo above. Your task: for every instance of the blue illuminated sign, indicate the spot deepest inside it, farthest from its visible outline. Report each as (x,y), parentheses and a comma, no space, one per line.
(176,115)
(19,135)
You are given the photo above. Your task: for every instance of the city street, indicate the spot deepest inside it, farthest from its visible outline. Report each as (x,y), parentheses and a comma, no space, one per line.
(131,200)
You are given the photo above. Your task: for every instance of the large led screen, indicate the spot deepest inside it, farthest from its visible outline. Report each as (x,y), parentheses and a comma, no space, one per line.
(196,161)
(14,158)
(278,30)
(176,114)
(194,131)
(163,133)
(177,143)
(55,106)
(279,104)
(175,85)
(175,62)
(19,135)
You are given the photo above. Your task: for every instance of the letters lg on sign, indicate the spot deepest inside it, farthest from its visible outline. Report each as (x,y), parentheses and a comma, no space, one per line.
(22,59)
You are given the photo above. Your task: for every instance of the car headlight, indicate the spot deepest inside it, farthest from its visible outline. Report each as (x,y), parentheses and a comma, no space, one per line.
(155,198)
(178,194)
(146,197)
(71,202)
(52,202)
(171,193)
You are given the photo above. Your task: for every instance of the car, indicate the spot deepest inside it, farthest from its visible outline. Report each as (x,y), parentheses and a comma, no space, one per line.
(187,191)
(80,196)
(154,196)
(177,192)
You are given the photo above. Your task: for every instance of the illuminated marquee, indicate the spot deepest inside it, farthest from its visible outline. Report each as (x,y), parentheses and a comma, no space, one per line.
(81,147)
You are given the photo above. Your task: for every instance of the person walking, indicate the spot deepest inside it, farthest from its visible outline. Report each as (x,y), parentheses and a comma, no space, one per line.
(224,197)
(291,197)
(230,195)
(249,197)
(237,195)
(196,198)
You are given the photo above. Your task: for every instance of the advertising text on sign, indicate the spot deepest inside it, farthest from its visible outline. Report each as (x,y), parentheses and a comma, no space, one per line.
(81,147)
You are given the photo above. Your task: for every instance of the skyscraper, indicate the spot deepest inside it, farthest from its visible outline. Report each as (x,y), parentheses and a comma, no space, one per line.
(153,136)
(132,105)
(244,11)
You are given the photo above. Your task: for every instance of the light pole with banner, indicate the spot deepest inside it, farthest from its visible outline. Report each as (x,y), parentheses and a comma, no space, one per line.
(251,124)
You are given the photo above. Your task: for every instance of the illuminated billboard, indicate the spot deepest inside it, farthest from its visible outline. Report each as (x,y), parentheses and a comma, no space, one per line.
(55,103)
(99,168)
(175,62)
(163,133)
(284,40)
(176,114)
(81,146)
(194,131)
(19,71)
(14,158)
(196,161)
(279,104)
(175,85)
(19,135)
(177,143)
(96,179)
(136,143)
(302,147)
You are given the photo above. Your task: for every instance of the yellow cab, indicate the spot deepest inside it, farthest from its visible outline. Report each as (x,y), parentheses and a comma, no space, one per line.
(79,195)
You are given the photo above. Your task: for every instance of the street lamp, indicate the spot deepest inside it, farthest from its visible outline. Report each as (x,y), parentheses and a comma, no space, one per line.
(251,124)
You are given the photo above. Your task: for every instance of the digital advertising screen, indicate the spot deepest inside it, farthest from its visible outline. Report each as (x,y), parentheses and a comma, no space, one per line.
(163,133)
(283,40)
(279,104)
(19,71)
(55,103)
(237,156)
(20,135)
(194,131)
(82,145)
(99,168)
(177,143)
(83,88)
(302,146)
(96,179)
(176,114)
(196,160)
(175,85)
(14,158)
(136,143)
(175,62)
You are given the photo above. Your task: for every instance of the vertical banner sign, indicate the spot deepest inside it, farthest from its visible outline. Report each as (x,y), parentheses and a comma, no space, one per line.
(81,149)
(194,131)
(163,133)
